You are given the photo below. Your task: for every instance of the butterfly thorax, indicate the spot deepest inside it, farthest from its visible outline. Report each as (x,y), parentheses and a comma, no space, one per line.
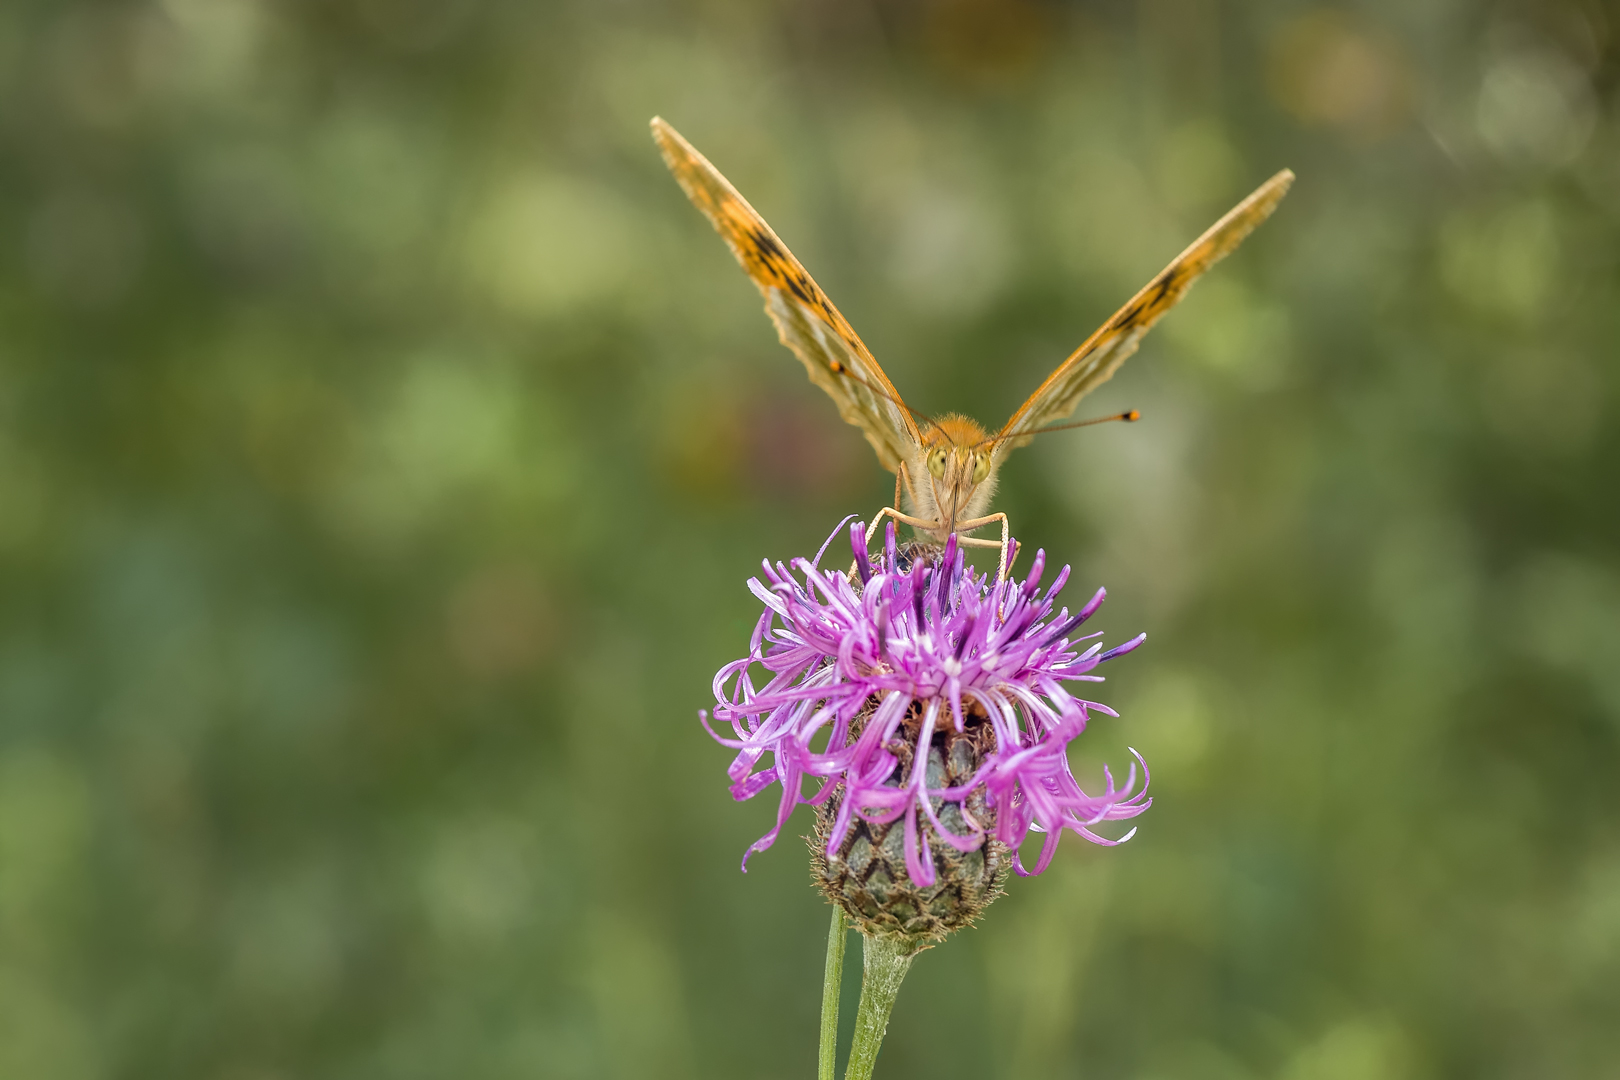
(951,475)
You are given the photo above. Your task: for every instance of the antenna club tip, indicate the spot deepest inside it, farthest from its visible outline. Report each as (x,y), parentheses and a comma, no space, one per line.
(1131,417)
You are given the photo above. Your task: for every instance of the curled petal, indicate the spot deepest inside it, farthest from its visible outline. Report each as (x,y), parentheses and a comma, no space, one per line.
(862,672)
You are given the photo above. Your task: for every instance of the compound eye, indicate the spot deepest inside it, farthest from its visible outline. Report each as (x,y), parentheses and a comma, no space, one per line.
(981,468)
(936,463)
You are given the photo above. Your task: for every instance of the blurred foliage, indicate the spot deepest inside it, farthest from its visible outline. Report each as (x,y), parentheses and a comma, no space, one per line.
(384,443)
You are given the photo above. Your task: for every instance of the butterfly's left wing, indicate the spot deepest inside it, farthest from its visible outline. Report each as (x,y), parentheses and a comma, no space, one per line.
(805,319)
(1097,359)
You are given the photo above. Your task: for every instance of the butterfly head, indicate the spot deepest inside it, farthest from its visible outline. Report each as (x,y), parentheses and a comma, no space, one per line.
(958,469)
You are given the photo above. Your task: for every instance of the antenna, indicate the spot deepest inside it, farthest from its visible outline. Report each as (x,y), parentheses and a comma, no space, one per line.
(1129,416)
(839,368)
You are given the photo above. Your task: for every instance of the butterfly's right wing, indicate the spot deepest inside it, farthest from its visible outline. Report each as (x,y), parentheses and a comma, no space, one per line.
(805,319)
(1095,361)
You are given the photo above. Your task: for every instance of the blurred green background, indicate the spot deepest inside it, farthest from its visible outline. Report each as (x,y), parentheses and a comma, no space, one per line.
(385,441)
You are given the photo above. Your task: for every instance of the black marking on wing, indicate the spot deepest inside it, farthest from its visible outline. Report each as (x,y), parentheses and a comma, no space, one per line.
(1151,301)
(782,266)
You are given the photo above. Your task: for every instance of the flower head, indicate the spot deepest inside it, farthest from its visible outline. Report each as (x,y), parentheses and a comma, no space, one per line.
(920,696)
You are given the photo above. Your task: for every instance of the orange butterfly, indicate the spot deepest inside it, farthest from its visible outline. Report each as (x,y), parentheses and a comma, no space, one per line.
(947,466)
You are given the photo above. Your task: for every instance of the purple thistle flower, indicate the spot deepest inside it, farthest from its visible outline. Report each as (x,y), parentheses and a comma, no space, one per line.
(863,673)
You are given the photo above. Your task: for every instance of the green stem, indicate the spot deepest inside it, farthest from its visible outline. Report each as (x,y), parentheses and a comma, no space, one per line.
(885,963)
(832,982)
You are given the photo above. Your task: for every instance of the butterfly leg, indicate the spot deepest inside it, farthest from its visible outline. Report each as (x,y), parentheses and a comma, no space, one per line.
(904,519)
(1009,548)
(902,474)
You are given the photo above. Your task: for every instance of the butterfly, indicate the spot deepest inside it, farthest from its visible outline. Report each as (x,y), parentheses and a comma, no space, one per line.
(947,466)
